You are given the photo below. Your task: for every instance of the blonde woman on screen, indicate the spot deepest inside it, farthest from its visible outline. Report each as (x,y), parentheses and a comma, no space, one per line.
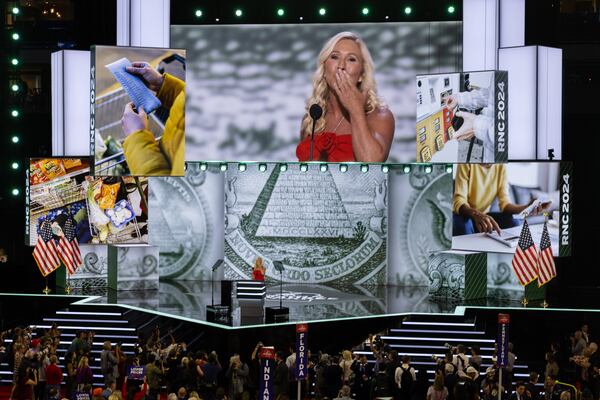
(356,125)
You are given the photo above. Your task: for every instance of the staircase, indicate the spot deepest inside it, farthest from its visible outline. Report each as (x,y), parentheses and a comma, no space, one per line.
(422,336)
(109,323)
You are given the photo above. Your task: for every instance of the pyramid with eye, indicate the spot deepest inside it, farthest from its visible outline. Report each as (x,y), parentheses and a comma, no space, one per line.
(292,206)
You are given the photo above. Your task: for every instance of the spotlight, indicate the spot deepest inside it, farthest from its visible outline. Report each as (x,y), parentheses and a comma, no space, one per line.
(16,10)
(15,36)
(14,165)
(406,169)
(343,168)
(365,11)
(449,169)
(198,13)
(451,9)
(323,167)
(428,169)
(14,61)
(407,10)
(203,166)
(238,12)
(262,167)
(283,167)
(322,11)
(14,87)
(385,168)
(223,167)
(15,139)
(364,168)
(301,18)
(14,113)
(303,167)
(280,12)
(15,192)
(242,167)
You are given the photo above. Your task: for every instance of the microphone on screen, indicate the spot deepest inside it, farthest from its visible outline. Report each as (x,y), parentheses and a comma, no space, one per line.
(315,112)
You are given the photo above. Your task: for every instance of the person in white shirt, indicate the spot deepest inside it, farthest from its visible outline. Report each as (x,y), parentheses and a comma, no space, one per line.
(290,361)
(460,360)
(346,365)
(585,333)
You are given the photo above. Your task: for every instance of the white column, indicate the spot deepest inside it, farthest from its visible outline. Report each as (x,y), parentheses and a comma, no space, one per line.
(70,103)
(512,23)
(480,35)
(143,23)
(123,22)
(522,92)
(549,102)
(535,96)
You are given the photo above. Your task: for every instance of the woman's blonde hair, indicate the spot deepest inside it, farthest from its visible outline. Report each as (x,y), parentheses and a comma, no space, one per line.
(258,263)
(565,395)
(83,362)
(321,91)
(347,355)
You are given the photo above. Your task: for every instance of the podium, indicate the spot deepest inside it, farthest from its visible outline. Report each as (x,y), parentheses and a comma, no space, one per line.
(219,314)
(251,298)
(226,292)
(277,314)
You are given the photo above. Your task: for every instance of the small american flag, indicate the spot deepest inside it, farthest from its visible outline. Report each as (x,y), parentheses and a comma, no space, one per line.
(45,253)
(68,248)
(525,259)
(546,267)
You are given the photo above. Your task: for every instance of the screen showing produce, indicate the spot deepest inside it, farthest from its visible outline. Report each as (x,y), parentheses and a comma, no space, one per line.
(103,209)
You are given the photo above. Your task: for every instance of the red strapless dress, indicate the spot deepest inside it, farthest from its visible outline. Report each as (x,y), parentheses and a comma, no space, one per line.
(328,147)
(258,275)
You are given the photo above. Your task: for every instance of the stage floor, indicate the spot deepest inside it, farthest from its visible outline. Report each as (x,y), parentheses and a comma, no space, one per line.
(188,300)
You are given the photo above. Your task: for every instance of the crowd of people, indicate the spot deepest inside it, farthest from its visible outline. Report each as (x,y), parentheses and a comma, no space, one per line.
(161,367)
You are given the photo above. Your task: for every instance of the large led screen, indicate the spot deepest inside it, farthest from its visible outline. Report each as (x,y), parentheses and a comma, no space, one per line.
(250,88)
(137,111)
(462,117)
(326,224)
(491,202)
(99,210)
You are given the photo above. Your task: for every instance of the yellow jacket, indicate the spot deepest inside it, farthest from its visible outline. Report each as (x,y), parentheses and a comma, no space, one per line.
(144,155)
(478,186)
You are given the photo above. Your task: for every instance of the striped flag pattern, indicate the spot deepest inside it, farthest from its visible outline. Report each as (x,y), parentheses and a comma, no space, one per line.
(525,260)
(45,252)
(546,267)
(68,248)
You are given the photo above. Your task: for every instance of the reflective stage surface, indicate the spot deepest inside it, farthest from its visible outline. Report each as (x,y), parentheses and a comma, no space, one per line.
(188,299)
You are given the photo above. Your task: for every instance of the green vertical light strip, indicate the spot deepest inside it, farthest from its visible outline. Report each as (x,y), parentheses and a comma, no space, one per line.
(475,276)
